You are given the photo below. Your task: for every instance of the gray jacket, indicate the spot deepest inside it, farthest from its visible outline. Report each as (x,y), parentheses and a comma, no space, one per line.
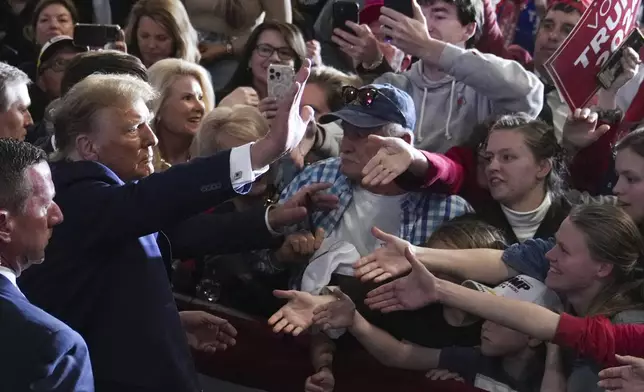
(477,85)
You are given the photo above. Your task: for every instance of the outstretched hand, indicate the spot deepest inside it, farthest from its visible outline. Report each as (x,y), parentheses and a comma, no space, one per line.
(626,378)
(393,158)
(385,262)
(411,292)
(206,332)
(335,314)
(297,315)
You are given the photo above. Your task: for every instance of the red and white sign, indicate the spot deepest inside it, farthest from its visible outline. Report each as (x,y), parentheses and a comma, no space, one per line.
(600,31)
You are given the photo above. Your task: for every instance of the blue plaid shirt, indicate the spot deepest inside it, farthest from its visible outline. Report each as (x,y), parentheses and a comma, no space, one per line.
(422,212)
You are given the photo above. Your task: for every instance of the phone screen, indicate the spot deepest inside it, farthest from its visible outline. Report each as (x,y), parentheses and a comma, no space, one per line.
(402,6)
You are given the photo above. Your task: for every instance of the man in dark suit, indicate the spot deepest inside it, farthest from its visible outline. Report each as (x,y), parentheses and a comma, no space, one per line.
(40,353)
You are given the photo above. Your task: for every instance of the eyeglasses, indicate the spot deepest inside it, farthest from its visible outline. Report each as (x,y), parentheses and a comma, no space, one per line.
(365,96)
(56,65)
(266,50)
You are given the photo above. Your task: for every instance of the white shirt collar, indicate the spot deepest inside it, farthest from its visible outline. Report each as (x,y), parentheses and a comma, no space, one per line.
(9,274)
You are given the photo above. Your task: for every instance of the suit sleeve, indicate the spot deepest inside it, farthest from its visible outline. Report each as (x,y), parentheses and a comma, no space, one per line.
(105,212)
(68,368)
(211,234)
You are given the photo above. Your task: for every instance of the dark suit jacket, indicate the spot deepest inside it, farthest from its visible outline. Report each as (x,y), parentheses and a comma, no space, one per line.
(39,353)
(105,275)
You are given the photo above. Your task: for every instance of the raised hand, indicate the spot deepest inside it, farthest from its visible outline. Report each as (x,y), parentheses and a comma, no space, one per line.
(314,52)
(385,262)
(299,246)
(393,158)
(626,378)
(361,46)
(407,293)
(289,125)
(335,314)
(630,65)
(409,35)
(580,129)
(206,332)
(297,315)
(322,381)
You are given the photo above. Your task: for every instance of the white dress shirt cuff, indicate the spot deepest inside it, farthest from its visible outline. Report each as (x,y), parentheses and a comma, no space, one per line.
(268,225)
(242,174)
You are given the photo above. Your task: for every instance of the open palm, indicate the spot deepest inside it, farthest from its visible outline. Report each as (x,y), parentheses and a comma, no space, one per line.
(385,262)
(411,292)
(297,315)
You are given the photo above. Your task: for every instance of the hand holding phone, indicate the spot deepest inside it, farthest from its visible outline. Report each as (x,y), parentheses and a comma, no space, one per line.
(280,79)
(343,12)
(614,66)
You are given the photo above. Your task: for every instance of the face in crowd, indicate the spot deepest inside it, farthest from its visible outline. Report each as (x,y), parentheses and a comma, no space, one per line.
(15,121)
(54,20)
(154,40)
(271,48)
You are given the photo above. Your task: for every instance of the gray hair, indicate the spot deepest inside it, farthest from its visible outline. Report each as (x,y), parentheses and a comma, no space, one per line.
(397,130)
(77,109)
(10,77)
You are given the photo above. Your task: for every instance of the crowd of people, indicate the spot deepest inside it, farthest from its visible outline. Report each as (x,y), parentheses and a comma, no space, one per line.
(419,188)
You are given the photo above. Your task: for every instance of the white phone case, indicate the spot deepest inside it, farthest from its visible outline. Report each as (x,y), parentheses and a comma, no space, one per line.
(280,79)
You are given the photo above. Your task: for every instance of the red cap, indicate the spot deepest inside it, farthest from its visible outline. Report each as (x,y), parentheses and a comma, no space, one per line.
(371,12)
(579,5)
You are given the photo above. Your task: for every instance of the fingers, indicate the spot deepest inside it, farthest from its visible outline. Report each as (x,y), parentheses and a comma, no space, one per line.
(277,316)
(377,272)
(372,165)
(277,328)
(228,329)
(614,372)
(629,360)
(348,38)
(319,238)
(382,236)
(285,294)
(365,261)
(612,384)
(313,188)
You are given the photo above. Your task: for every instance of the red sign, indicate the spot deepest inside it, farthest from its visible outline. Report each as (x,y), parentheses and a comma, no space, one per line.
(600,31)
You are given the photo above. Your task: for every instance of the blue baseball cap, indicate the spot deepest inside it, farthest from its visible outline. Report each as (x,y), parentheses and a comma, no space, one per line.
(389,105)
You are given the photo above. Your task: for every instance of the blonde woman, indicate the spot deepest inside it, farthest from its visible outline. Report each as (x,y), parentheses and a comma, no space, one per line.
(185,97)
(159,29)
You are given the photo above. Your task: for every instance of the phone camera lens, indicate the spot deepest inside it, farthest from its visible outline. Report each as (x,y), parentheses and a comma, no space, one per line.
(278,74)
(272,70)
(272,77)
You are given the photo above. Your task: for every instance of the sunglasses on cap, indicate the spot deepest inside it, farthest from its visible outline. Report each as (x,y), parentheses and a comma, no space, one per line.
(365,96)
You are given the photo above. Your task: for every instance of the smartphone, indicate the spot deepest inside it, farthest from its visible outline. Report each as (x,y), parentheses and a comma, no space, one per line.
(613,67)
(280,80)
(403,6)
(95,35)
(344,11)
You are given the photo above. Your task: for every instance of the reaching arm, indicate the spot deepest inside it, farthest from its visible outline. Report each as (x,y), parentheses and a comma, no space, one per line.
(508,86)
(392,352)
(526,317)
(481,265)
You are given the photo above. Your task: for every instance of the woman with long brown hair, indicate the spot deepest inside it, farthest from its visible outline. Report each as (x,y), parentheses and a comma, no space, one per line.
(159,29)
